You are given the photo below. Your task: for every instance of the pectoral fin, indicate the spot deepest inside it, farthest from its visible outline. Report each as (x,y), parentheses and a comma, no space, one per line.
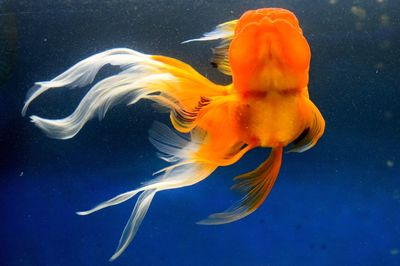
(311,134)
(256,185)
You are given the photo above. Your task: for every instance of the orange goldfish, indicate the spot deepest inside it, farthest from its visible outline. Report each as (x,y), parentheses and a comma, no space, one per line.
(266,105)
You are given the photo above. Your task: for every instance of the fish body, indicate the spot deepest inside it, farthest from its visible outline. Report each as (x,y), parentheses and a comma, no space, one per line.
(269,60)
(272,120)
(270,73)
(266,105)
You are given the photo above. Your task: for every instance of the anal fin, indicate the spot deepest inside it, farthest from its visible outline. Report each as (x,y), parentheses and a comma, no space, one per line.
(256,185)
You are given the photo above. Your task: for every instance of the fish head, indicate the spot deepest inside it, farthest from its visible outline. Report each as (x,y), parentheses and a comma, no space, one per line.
(269,52)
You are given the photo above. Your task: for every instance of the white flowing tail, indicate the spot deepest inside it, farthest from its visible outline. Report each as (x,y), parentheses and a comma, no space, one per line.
(164,80)
(185,172)
(168,82)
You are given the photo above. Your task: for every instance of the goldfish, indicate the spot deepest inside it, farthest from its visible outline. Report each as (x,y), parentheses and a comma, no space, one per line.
(266,105)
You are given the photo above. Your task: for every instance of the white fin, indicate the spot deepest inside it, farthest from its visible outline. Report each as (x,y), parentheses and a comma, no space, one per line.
(225,33)
(185,172)
(136,218)
(179,175)
(166,81)
(127,88)
(84,72)
(111,202)
(221,31)
(169,82)
(141,76)
(172,147)
(139,73)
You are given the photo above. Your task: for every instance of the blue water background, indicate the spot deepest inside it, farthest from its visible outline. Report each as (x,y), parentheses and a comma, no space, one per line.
(337,204)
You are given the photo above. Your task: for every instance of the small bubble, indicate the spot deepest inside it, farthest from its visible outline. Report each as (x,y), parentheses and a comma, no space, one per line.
(385,44)
(359,12)
(333,2)
(379,66)
(359,25)
(394,251)
(388,115)
(396,194)
(380,1)
(389,163)
(385,20)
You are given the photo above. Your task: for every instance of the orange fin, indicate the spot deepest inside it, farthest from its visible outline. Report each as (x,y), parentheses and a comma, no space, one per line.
(256,185)
(310,136)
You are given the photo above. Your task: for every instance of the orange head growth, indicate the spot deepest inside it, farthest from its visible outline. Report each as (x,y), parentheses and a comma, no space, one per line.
(269,52)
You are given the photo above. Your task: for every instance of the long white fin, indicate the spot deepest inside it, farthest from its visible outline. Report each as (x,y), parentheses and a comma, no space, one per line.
(169,82)
(84,72)
(139,74)
(185,172)
(137,216)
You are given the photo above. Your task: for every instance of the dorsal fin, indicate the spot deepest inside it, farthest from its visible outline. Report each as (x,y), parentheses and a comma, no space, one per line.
(223,32)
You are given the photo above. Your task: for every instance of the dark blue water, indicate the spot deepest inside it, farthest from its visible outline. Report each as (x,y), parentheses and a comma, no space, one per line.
(337,204)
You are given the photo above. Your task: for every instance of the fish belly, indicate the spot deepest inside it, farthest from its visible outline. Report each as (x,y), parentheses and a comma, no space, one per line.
(275,119)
